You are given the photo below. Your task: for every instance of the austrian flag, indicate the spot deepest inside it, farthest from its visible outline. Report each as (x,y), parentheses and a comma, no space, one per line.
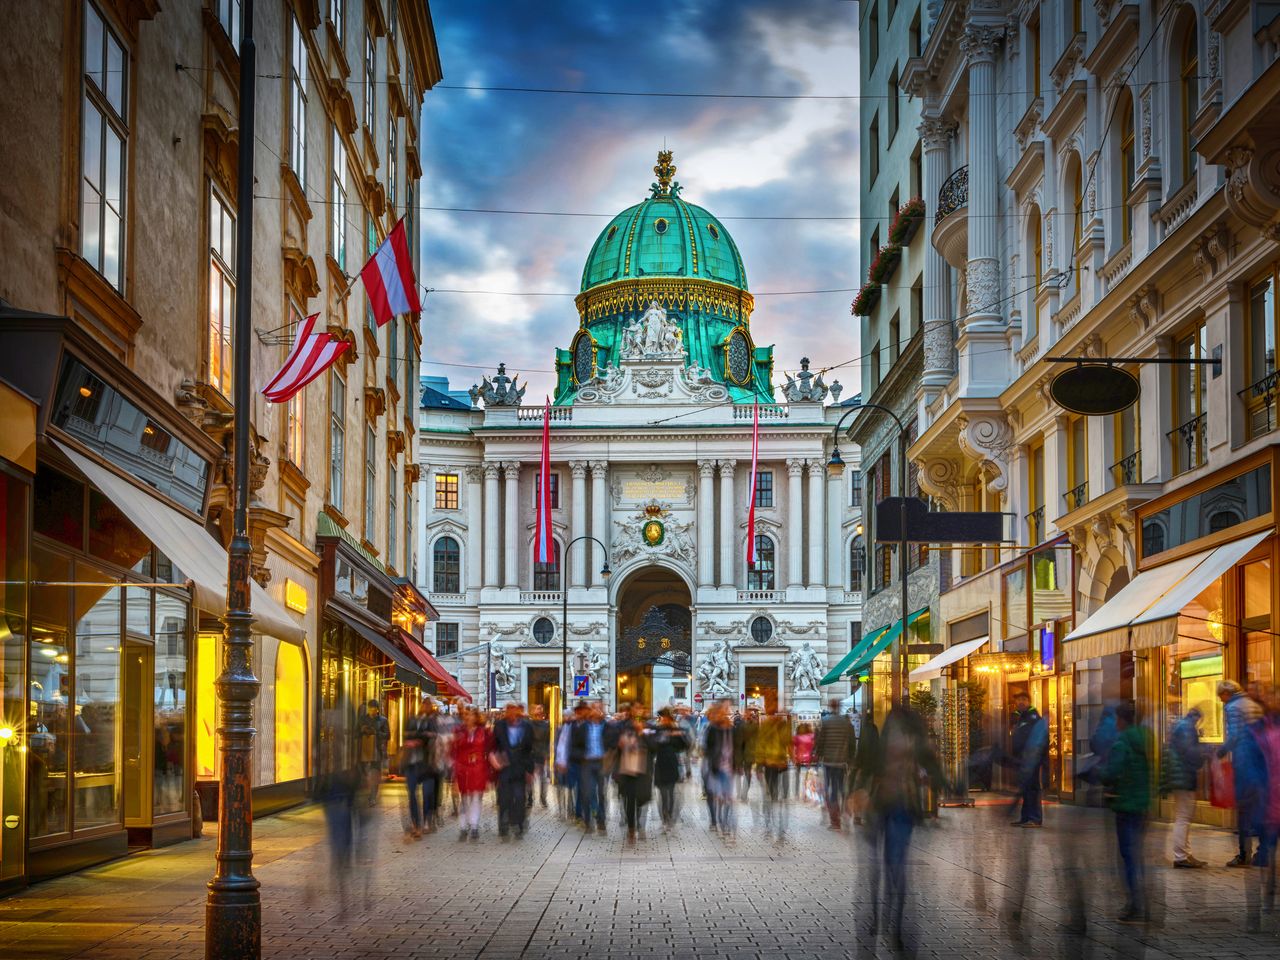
(312,354)
(388,277)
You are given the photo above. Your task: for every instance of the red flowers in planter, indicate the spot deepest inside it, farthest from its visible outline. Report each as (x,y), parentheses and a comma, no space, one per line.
(904,226)
(866,300)
(885,263)
(906,222)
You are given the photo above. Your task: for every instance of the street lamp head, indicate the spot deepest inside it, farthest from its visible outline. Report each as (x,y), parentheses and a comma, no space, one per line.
(835,466)
(605,572)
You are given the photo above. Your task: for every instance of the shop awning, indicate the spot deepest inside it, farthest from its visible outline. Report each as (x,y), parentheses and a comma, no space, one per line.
(200,557)
(1145,612)
(933,669)
(446,685)
(406,670)
(841,669)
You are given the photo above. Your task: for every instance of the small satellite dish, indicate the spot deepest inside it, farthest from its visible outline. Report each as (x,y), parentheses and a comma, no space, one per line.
(1095,389)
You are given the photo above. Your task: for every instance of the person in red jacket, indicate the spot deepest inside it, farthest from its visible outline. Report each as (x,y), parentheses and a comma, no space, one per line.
(471,770)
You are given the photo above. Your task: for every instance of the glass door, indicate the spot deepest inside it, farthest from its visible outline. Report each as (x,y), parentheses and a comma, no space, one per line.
(138,732)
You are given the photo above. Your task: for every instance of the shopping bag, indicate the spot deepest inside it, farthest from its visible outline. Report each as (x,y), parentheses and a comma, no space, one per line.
(1222,787)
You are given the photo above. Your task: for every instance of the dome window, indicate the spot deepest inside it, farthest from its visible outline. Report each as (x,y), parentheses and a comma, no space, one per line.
(660,225)
(613,232)
(711,229)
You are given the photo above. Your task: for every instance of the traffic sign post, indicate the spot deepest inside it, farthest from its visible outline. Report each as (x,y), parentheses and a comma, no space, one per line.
(581,685)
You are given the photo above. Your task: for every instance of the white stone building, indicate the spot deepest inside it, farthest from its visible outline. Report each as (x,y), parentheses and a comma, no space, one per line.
(651,449)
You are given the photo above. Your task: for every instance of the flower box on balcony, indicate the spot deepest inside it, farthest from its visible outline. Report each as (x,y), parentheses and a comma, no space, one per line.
(866,300)
(907,221)
(886,261)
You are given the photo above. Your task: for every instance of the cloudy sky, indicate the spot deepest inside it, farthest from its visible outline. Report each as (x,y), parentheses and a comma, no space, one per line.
(594,155)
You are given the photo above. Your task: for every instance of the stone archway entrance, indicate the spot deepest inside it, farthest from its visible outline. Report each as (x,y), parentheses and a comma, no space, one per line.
(653,652)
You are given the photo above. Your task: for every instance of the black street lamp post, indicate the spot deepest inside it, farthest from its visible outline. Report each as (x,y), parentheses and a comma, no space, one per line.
(605,572)
(233,909)
(835,467)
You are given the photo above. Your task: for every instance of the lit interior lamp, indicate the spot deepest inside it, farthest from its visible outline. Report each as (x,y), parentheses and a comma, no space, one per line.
(86,392)
(6,734)
(1214,623)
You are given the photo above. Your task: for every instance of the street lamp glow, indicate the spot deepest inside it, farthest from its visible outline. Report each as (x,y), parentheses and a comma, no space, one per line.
(835,466)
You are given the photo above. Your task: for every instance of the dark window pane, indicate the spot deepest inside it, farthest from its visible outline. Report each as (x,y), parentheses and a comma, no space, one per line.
(59,507)
(112,536)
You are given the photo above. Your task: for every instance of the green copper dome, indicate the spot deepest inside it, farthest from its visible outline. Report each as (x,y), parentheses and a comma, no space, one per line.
(664,236)
(666,251)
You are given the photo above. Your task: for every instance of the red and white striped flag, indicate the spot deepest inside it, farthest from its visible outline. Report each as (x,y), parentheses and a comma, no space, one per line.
(544,547)
(388,277)
(751,511)
(312,355)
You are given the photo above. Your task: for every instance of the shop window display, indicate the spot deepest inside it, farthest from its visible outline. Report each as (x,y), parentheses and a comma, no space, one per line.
(48,727)
(1259,640)
(206,717)
(96,711)
(14,737)
(170,756)
(1015,602)
(290,719)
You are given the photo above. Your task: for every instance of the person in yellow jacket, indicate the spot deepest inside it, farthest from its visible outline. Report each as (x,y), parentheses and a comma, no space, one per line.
(773,753)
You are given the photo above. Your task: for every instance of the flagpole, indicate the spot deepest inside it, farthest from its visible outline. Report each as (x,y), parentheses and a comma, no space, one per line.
(233,908)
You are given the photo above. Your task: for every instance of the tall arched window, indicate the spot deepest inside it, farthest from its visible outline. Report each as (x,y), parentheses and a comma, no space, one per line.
(1189,89)
(446,566)
(760,576)
(546,576)
(1035,235)
(1128,165)
(857,564)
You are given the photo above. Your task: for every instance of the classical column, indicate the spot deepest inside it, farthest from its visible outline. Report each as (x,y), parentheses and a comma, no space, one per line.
(817,522)
(706,523)
(835,549)
(728,573)
(795,522)
(492,536)
(599,519)
(578,524)
(475,518)
(982,272)
(939,331)
(420,529)
(511,525)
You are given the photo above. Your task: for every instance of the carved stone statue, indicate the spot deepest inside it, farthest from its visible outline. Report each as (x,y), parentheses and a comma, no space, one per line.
(715,670)
(504,670)
(804,387)
(805,667)
(501,391)
(587,662)
(652,335)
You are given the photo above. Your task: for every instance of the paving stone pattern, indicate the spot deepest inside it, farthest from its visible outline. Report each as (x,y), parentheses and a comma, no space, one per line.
(692,894)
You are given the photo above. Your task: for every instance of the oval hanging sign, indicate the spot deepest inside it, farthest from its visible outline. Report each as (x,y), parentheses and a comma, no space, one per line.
(1094,389)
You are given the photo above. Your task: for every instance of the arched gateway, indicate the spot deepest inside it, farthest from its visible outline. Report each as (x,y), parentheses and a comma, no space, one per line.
(653,649)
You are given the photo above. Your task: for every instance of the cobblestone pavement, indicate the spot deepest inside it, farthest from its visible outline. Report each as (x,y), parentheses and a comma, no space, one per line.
(557,893)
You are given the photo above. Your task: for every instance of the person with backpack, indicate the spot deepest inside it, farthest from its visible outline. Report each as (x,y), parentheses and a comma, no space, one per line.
(1127,776)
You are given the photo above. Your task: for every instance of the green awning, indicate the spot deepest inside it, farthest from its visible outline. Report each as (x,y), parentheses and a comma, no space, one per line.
(883,641)
(844,667)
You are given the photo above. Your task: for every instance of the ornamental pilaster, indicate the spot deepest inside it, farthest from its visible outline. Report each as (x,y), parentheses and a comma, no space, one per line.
(511,523)
(578,523)
(599,519)
(728,537)
(706,523)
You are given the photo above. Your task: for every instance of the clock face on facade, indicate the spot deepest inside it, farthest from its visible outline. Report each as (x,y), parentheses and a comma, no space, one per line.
(653,532)
(738,358)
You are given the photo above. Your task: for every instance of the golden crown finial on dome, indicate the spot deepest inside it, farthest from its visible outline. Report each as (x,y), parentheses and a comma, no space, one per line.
(665,171)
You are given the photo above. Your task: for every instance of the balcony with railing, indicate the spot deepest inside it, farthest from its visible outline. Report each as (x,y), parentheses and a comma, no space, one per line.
(1126,471)
(1260,404)
(1035,526)
(539,596)
(1189,447)
(761,596)
(951,219)
(1077,496)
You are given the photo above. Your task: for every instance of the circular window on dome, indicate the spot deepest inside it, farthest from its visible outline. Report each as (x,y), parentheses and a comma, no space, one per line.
(761,630)
(613,232)
(711,229)
(661,224)
(584,357)
(543,631)
(737,358)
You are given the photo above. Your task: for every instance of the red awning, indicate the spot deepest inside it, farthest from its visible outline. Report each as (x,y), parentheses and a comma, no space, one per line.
(448,686)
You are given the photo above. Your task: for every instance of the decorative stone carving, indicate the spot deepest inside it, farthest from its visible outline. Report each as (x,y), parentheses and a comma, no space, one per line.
(638,537)
(987,439)
(603,387)
(501,391)
(1144,305)
(589,663)
(836,389)
(982,281)
(504,670)
(979,42)
(1146,123)
(474,472)
(805,667)
(804,387)
(940,479)
(715,670)
(1211,251)
(1104,8)
(701,385)
(935,133)
(652,337)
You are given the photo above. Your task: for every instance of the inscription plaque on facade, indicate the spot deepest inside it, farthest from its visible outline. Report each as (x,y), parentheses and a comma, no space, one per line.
(668,490)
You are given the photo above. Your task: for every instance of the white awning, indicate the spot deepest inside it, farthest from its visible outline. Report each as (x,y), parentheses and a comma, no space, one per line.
(1145,612)
(189,545)
(933,669)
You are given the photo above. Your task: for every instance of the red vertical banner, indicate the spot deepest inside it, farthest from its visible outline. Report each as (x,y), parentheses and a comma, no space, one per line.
(751,510)
(544,551)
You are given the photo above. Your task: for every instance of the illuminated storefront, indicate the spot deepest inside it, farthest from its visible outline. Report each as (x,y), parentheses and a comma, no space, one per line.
(1199,610)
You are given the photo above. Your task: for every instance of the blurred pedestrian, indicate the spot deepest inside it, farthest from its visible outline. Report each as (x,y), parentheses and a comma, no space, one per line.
(1028,750)
(864,763)
(717,767)
(835,747)
(635,784)
(541,751)
(801,755)
(511,754)
(374,734)
(745,732)
(1264,746)
(1128,775)
(1183,760)
(416,753)
(670,745)
(773,753)
(587,751)
(1239,710)
(566,772)
(471,770)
